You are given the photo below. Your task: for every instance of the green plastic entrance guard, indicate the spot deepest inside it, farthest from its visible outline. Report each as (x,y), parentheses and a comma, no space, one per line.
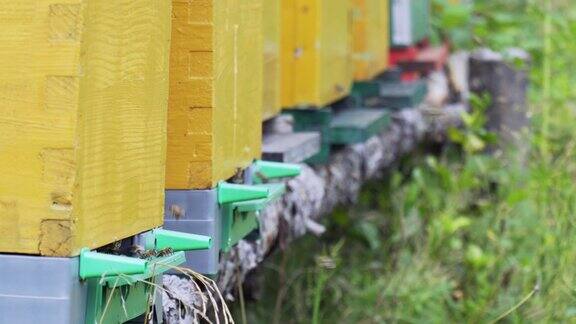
(122,288)
(240,218)
(241,204)
(229,193)
(264,170)
(121,298)
(161,239)
(96,265)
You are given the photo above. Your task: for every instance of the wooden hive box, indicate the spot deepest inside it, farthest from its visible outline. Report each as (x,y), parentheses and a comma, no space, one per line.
(272,19)
(370,27)
(316,52)
(410,21)
(83,100)
(421,11)
(215,105)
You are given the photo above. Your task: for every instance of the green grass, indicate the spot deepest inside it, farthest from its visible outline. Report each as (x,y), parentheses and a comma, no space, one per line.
(459,237)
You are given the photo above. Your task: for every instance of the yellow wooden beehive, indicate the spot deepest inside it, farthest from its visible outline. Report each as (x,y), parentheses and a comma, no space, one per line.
(316,52)
(83,100)
(370,26)
(215,105)
(271,20)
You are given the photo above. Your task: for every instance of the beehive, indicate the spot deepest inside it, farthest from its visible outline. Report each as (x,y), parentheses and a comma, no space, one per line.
(271,105)
(215,105)
(370,26)
(83,100)
(316,52)
(410,21)
(420,19)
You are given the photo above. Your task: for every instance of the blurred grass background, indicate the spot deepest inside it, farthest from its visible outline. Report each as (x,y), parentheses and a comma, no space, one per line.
(458,236)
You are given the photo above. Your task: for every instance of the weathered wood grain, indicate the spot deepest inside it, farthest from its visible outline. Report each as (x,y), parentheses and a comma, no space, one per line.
(371,37)
(315,53)
(215,105)
(504,79)
(271,105)
(83,100)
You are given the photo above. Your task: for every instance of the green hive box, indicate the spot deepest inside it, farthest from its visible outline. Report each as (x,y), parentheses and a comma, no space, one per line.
(410,22)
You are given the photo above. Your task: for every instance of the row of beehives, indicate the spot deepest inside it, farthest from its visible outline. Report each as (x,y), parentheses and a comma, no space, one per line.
(86,89)
(120,117)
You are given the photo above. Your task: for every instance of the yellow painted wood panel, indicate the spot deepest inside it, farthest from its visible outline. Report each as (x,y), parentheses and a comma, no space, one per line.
(316,52)
(215,104)
(83,104)
(370,25)
(384,29)
(271,21)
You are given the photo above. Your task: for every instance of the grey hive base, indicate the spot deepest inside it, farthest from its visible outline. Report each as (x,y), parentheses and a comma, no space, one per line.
(45,290)
(290,147)
(198,213)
